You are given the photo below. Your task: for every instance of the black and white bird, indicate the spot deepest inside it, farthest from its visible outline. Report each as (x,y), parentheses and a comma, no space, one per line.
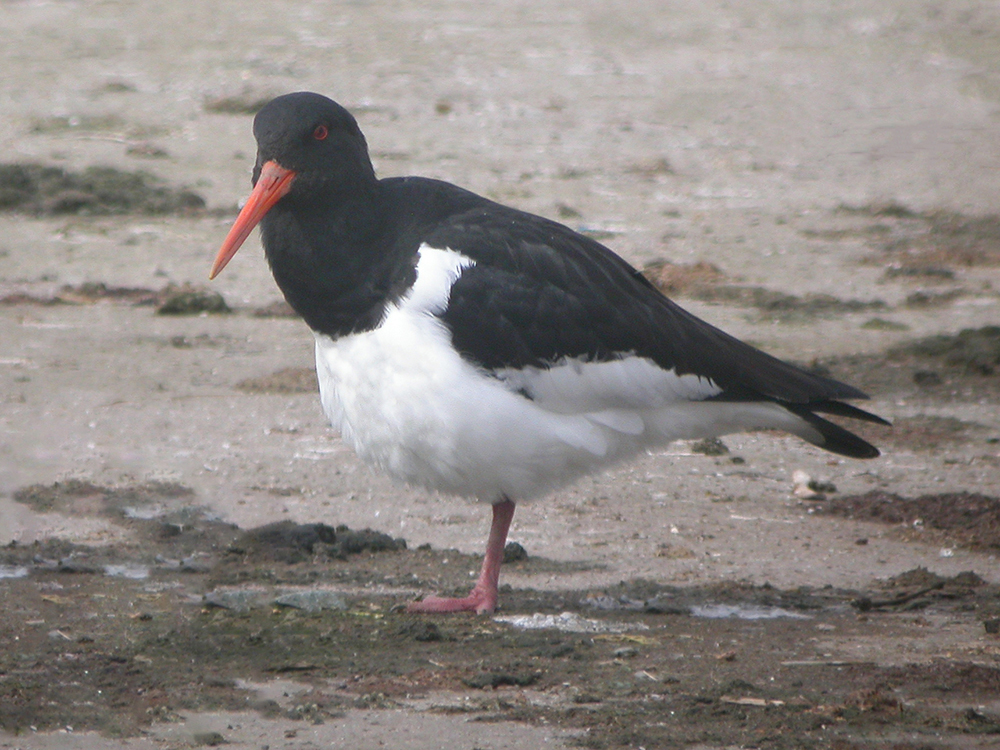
(478,350)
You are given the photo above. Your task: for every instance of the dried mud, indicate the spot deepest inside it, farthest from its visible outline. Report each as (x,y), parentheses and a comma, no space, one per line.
(116,638)
(115,653)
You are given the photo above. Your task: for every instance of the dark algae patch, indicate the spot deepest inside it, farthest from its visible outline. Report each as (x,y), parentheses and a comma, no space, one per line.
(970,518)
(192,301)
(289,542)
(41,190)
(947,367)
(77,496)
(976,351)
(930,243)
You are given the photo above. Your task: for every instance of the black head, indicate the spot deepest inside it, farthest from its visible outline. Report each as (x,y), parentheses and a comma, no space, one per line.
(310,155)
(317,139)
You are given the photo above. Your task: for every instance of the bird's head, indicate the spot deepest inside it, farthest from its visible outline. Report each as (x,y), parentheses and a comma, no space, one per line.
(308,147)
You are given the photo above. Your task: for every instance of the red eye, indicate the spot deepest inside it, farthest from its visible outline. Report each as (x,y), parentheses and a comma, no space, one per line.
(320,132)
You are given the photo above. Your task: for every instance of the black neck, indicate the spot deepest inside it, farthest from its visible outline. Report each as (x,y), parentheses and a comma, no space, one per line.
(333,260)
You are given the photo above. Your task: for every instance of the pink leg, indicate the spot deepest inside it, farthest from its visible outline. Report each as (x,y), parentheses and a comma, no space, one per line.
(483,597)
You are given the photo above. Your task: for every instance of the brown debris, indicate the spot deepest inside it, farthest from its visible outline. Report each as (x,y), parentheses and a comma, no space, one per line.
(972,519)
(683,279)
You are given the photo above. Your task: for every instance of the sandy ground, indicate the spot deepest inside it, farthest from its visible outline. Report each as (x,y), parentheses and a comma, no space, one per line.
(700,132)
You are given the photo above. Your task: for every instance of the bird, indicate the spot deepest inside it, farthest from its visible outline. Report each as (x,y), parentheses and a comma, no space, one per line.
(478,350)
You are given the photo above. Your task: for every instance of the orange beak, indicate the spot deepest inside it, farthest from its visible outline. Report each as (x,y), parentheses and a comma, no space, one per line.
(274,183)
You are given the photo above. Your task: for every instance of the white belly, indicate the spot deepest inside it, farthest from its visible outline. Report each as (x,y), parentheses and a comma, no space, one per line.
(410,405)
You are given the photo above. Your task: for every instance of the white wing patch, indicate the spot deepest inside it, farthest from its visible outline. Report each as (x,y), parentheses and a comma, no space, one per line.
(437,272)
(575,386)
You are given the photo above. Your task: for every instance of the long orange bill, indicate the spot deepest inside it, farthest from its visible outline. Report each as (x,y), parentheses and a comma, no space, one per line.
(274,182)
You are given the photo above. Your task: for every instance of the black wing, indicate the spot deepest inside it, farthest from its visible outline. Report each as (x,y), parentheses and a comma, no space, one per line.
(540,292)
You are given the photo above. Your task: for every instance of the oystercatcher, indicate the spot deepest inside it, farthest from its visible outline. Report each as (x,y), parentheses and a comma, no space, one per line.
(479,350)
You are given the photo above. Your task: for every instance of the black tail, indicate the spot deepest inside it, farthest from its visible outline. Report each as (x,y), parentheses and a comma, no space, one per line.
(835,438)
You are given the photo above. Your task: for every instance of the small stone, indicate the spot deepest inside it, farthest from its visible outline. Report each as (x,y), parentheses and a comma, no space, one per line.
(822,485)
(514,552)
(803,492)
(805,487)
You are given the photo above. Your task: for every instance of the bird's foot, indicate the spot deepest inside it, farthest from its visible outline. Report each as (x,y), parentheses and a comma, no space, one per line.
(483,598)
(480,601)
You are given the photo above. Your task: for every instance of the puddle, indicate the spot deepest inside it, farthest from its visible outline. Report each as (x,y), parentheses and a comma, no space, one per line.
(144,514)
(136,572)
(744,612)
(568,622)
(10,571)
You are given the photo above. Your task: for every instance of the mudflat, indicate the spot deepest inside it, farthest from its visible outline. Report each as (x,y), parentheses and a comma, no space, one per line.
(192,557)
